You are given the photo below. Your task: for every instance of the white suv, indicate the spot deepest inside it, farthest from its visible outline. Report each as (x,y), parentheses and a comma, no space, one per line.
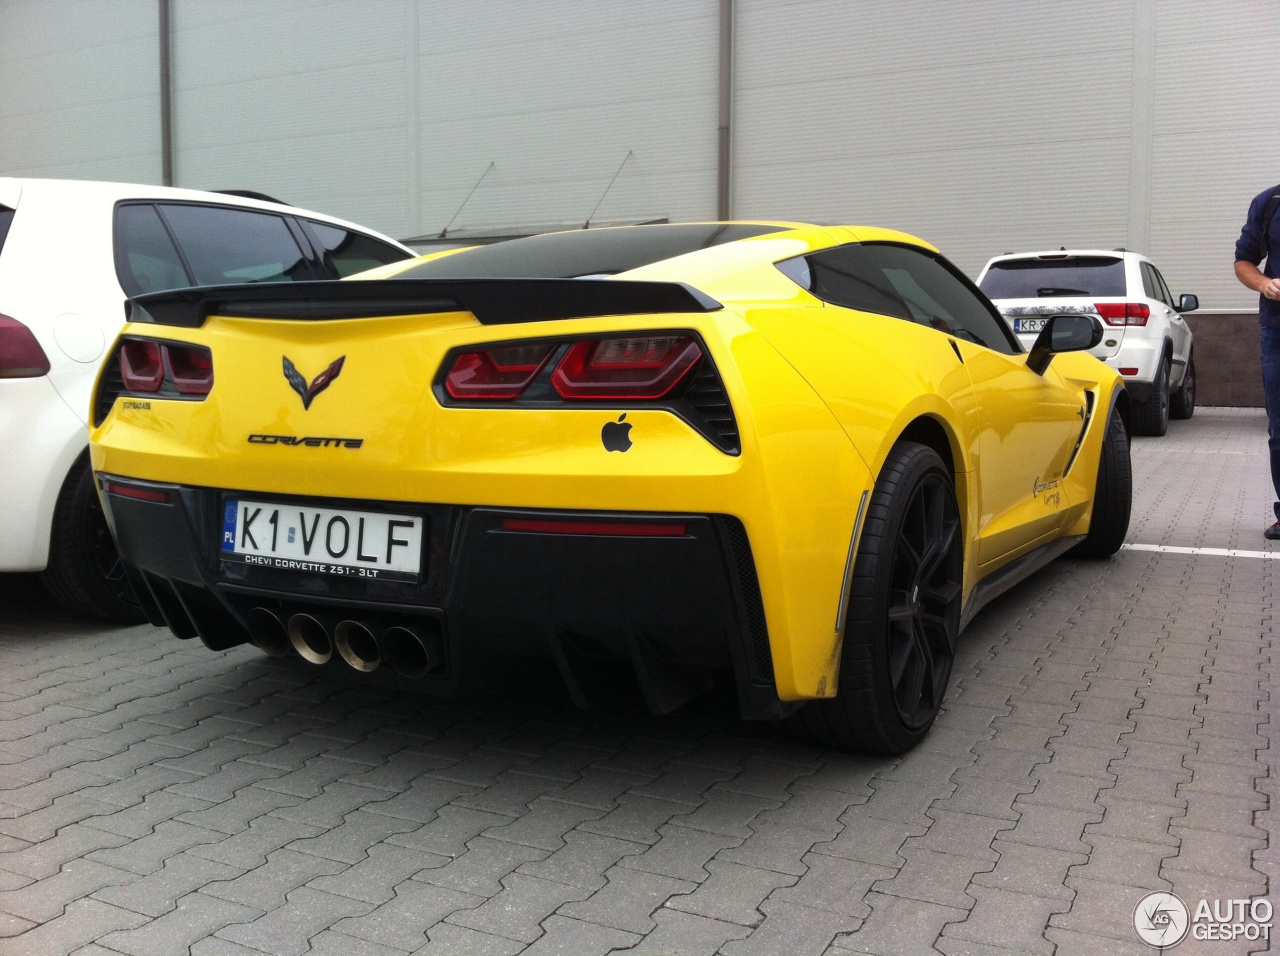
(70,252)
(1145,338)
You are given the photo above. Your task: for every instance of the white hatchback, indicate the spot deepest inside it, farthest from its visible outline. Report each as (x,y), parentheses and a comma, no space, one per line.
(1145,337)
(70,253)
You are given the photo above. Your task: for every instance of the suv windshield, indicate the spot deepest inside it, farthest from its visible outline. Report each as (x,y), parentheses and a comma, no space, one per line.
(1047,278)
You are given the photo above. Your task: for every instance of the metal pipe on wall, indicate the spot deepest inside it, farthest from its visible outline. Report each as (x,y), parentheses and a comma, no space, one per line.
(166,99)
(724,160)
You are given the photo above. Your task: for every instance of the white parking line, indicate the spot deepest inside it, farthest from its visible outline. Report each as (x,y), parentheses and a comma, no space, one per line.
(1215,552)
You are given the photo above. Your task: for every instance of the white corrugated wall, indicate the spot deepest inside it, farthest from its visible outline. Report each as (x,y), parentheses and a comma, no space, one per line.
(79,89)
(986,126)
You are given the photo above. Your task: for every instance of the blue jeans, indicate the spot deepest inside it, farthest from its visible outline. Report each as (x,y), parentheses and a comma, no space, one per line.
(1271,388)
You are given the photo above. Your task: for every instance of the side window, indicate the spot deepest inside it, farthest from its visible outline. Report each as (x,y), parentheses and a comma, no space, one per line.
(236,245)
(1164,289)
(906,283)
(1150,287)
(146,259)
(347,252)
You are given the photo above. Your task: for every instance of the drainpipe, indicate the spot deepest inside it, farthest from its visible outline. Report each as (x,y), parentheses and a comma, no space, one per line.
(724,161)
(166,99)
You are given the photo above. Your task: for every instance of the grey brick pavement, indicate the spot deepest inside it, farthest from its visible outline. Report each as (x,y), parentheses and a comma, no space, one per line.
(1108,732)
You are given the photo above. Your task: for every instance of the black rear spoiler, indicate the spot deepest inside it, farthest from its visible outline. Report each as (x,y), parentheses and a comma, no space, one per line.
(492,301)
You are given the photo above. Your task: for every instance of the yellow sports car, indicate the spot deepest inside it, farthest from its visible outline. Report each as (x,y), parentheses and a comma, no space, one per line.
(799,456)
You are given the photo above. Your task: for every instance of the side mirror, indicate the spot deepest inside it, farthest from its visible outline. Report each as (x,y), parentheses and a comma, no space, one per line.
(1070,332)
(1188,303)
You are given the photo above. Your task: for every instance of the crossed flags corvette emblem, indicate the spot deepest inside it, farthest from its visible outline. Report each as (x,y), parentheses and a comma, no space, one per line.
(318,384)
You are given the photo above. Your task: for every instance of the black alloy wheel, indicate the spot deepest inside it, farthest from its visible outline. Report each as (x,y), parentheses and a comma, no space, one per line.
(1112,495)
(903,613)
(924,590)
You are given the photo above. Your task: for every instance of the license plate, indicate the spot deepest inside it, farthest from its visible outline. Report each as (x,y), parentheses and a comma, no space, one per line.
(330,541)
(1028,325)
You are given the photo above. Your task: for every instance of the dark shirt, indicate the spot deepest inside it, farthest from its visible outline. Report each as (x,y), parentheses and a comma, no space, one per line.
(1253,247)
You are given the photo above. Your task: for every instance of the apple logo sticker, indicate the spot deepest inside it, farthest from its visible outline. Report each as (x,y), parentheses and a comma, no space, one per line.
(615,434)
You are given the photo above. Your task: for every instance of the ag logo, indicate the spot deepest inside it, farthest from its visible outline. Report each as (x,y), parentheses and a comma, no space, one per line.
(318,384)
(1161,919)
(616,435)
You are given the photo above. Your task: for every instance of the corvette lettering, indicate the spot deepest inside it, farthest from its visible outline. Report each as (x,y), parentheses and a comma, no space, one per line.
(1052,496)
(311,441)
(1038,487)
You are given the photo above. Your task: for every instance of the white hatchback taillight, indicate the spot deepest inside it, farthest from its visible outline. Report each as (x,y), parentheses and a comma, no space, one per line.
(20,354)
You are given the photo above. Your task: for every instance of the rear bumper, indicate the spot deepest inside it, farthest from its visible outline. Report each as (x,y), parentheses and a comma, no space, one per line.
(42,438)
(675,609)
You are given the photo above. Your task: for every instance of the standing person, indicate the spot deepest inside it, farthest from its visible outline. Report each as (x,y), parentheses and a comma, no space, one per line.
(1260,239)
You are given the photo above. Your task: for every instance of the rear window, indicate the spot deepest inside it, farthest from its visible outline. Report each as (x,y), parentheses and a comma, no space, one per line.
(1049,278)
(235,245)
(146,259)
(347,252)
(587,252)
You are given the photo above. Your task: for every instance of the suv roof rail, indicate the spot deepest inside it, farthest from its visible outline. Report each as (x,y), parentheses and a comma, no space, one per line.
(250,194)
(1119,249)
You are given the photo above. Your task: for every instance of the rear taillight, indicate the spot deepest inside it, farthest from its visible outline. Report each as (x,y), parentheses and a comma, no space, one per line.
(633,368)
(20,354)
(142,366)
(191,368)
(1123,313)
(496,374)
(669,370)
(638,369)
(151,367)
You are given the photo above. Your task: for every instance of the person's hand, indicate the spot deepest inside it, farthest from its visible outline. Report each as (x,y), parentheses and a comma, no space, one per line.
(1271,289)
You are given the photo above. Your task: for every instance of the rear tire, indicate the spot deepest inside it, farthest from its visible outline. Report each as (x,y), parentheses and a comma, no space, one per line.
(85,572)
(1182,405)
(1152,416)
(1112,496)
(903,612)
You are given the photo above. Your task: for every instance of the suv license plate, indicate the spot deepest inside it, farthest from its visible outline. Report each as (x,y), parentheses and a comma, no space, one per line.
(1028,325)
(332,541)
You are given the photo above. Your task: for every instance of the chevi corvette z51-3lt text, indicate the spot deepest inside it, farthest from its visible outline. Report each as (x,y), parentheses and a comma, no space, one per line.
(801,456)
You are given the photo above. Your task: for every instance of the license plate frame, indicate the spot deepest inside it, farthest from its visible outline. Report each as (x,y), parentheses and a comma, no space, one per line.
(327,540)
(1033,324)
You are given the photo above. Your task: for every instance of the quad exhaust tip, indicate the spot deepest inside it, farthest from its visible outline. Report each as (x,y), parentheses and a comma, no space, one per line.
(269,630)
(310,636)
(413,649)
(358,644)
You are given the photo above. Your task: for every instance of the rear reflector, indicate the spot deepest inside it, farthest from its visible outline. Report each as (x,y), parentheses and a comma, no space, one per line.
(1123,313)
(1128,371)
(633,529)
(20,354)
(643,368)
(139,494)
